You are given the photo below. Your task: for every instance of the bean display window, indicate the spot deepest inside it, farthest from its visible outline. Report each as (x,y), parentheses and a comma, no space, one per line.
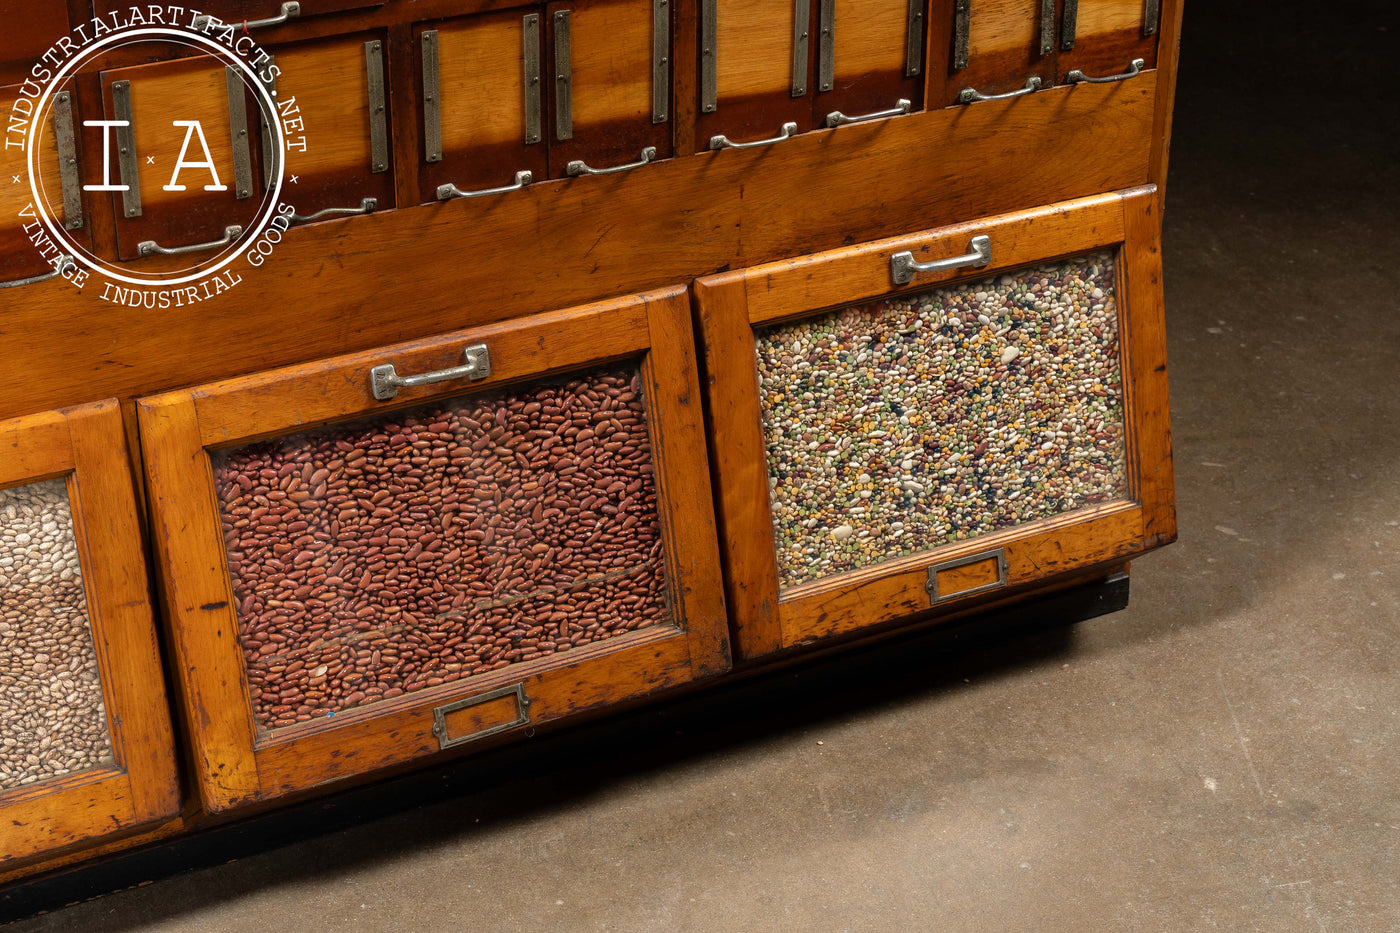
(912,447)
(530,537)
(85,743)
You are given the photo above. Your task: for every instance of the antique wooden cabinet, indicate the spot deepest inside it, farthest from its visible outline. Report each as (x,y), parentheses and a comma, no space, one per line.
(528,360)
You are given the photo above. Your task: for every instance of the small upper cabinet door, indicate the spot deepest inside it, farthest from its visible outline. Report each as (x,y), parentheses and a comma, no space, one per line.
(30,29)
(333,104)
(259,15)
(85,743)
(186,159)
(483,103)
(870,59)
(905,426)
(20,261)
(756,70)
(611,65)
(378,557)
(993,48)
(1108,39)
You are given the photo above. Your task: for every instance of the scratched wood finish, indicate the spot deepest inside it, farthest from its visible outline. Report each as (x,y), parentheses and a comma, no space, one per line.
(323,89)
(19,258)
(683,218)
(730,306)
(869,54)
(87,445)
(1169,44)
(1109,35)
(234,764)
(481,80)
(161,94)
(611,85)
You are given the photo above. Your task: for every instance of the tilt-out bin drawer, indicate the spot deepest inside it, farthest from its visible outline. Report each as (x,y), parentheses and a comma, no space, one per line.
(890,442)
(374,558)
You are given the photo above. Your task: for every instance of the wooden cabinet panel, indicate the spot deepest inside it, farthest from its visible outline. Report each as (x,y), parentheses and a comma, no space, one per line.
(19,258)
(991,48)
(888,447)
(1102,38)
(756,68)
(30,29)
(268,13)
(353,583)
(177,109)
(337,136)
(870,56)
(482,100)
(85,743)
(611,101)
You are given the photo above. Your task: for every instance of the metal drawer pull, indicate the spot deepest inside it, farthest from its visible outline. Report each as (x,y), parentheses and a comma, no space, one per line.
(522,715)
(578,167)
(837,118)
(385,383)
(996,554)
(969,94)
(151,247)
(64,262)
(903,268)
(723,142)
(1134,69)
(289,11)
(367,206)
(449,191)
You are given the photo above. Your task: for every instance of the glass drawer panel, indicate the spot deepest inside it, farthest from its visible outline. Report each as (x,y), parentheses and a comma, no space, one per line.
(389,555)
(909,422)
(52,717)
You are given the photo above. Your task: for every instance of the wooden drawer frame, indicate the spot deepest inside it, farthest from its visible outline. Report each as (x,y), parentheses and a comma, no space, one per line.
(731,305)
(87,445)
(234,764)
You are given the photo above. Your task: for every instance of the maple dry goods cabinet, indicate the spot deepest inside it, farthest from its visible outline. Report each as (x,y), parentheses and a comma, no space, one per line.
(606,346)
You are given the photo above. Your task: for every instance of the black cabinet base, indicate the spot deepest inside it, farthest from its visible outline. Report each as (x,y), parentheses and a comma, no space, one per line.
(599,752)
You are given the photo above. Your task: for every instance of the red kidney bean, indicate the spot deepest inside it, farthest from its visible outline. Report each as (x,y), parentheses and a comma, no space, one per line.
(380,557)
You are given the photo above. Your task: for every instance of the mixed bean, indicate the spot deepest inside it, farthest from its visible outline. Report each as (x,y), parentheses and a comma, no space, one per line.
(903,424)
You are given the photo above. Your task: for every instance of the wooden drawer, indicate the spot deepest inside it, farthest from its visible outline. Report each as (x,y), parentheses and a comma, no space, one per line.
(160,101)
(334,103)
(756,69)
(1102,38)
(611,78)
(345,573)
(85,743)
(989,48)
(482,100)
(870,59)
(884,451)
(20,259)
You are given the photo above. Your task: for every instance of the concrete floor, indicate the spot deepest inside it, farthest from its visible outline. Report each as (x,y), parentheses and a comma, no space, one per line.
(1223,754)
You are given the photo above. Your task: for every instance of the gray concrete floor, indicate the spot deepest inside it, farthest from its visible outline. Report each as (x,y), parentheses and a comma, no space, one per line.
(1223,754)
